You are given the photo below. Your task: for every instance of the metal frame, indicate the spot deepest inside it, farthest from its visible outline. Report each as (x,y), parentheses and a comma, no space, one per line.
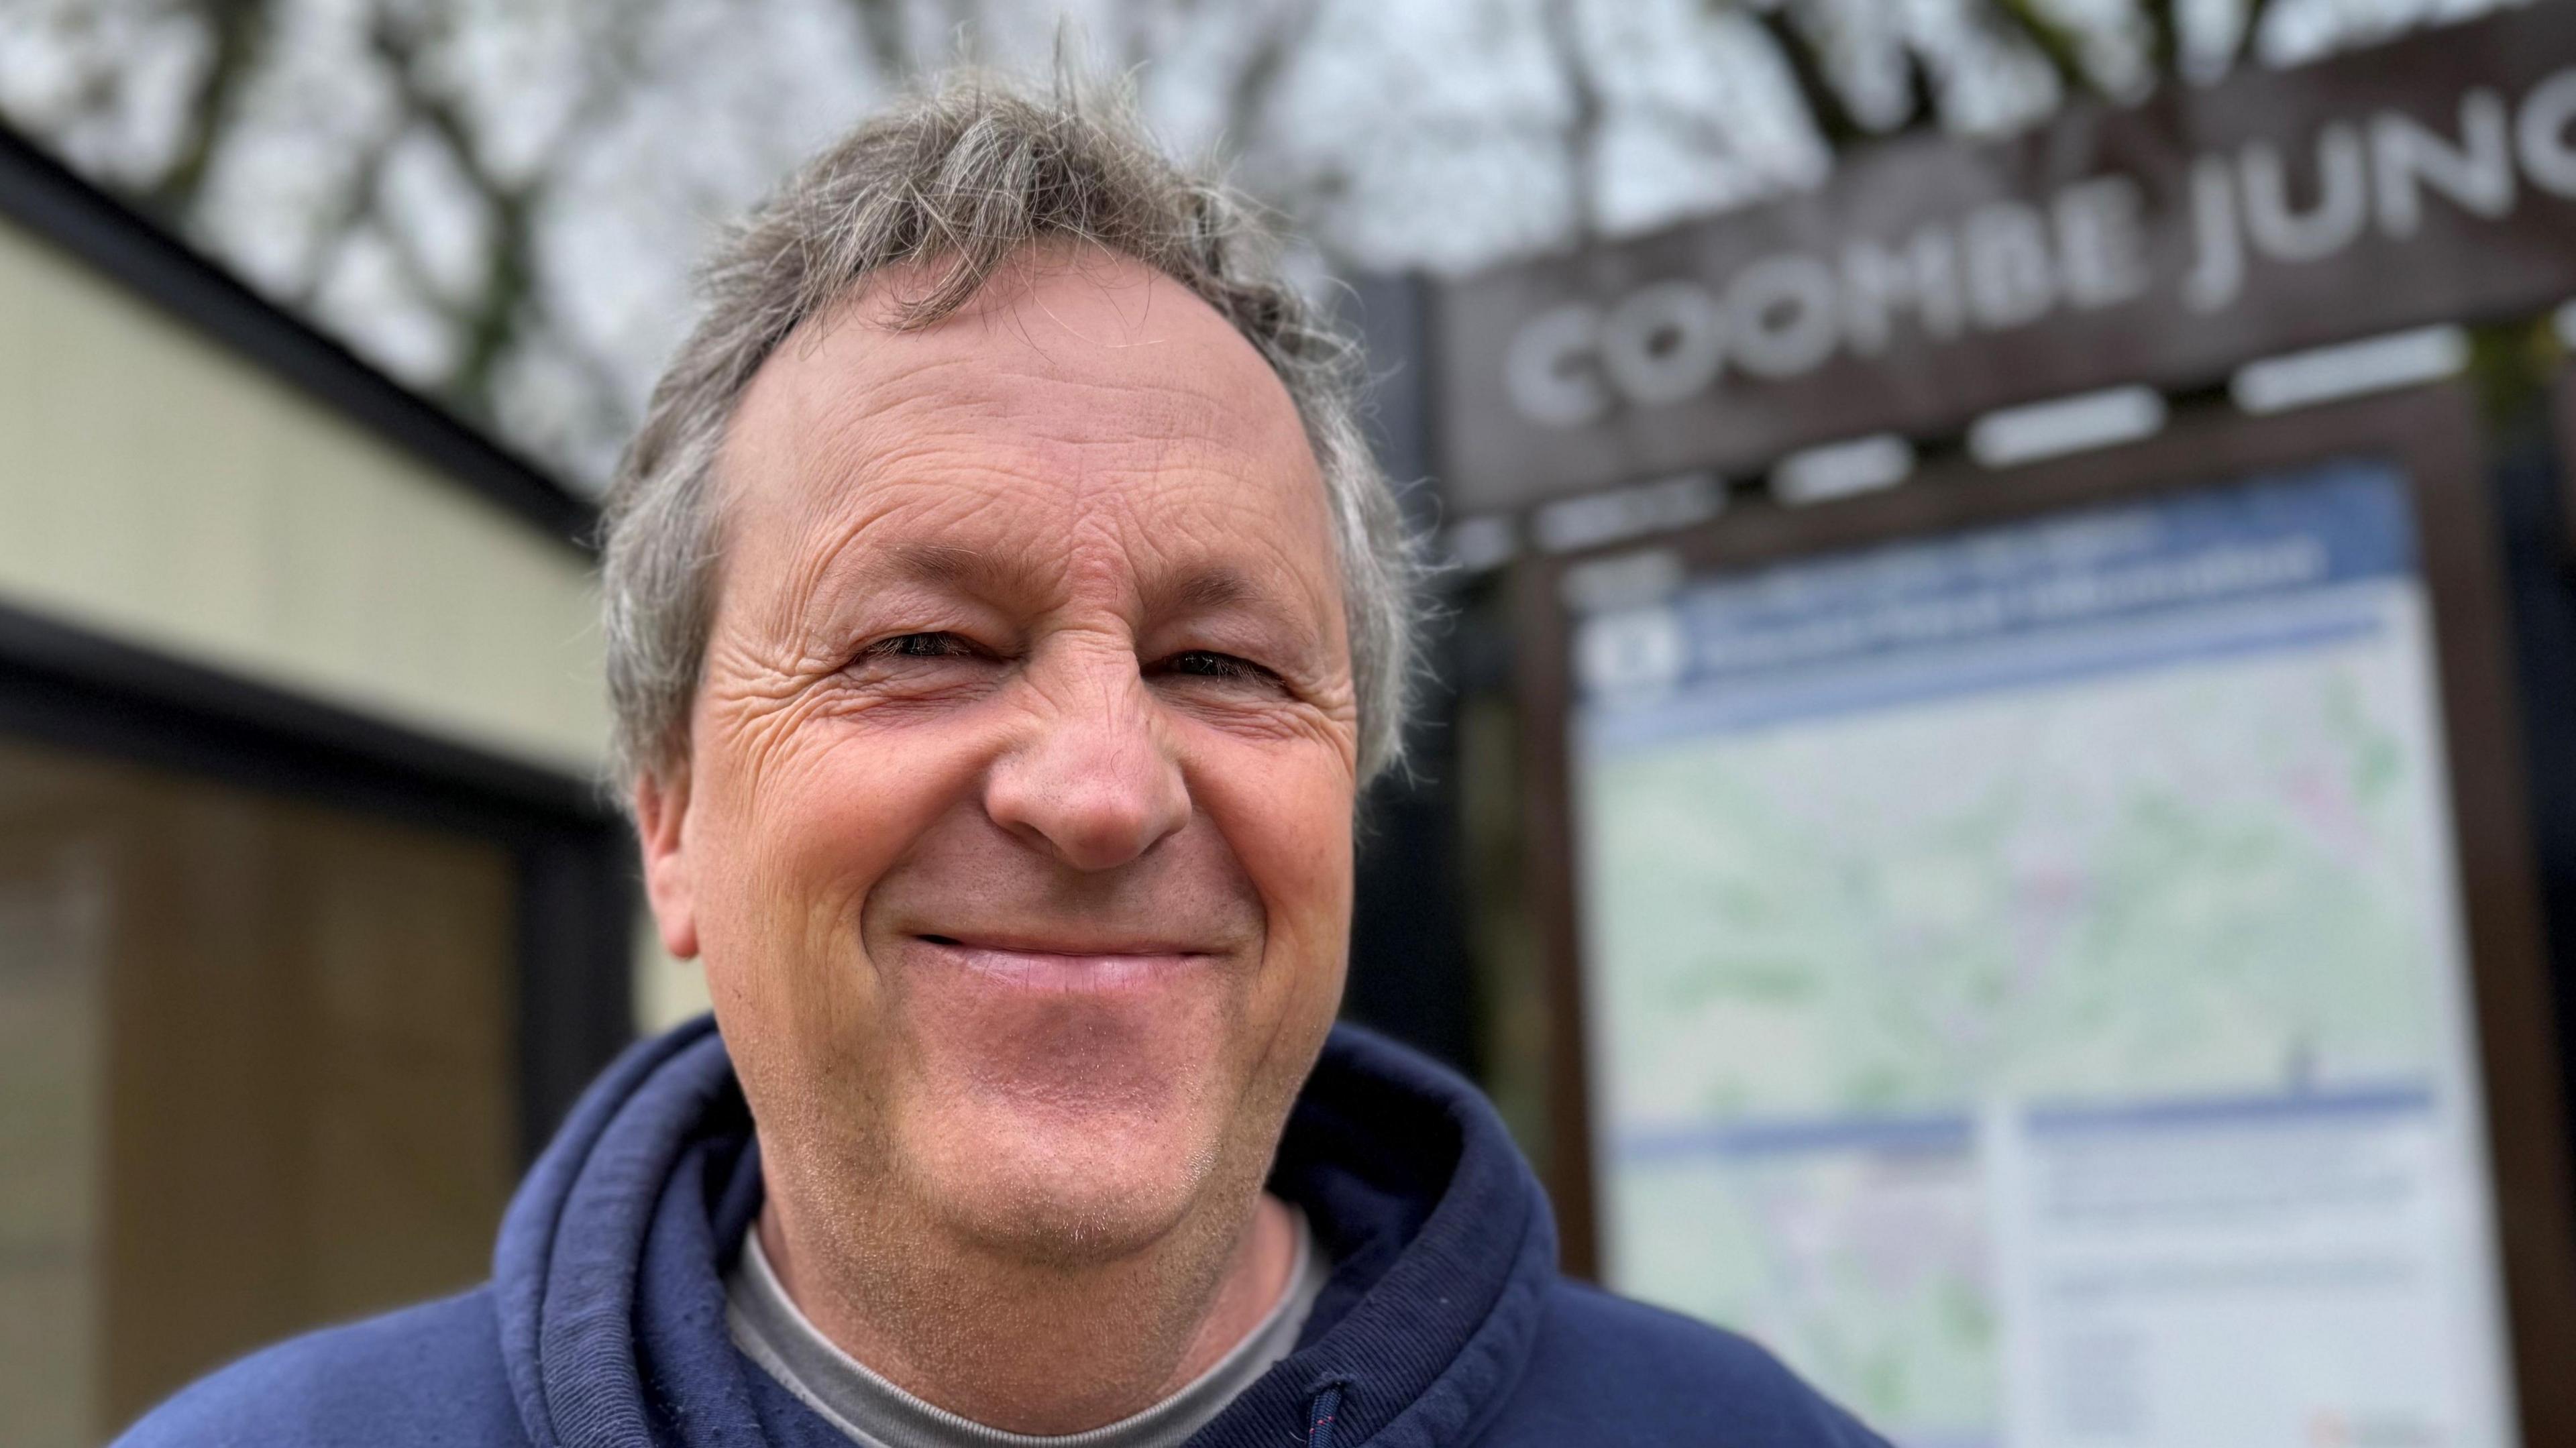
(573,855)
(2433,435)
(2562,416)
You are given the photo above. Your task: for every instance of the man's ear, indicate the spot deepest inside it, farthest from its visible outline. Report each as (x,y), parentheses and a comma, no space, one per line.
(661,823)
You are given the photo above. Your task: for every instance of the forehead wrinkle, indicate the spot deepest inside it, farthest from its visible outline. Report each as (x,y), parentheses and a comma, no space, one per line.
(904,431)
(1021,287)
(857,559)
(945,490)
(958,398)
(855,423)
(958,362)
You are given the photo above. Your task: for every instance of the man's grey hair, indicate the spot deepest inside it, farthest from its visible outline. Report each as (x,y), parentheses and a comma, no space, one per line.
(963,176)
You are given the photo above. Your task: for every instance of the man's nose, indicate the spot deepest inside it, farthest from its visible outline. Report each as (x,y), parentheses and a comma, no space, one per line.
(1094,781)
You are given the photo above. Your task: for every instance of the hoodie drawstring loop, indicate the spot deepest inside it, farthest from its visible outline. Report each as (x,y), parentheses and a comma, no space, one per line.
(1319,1417)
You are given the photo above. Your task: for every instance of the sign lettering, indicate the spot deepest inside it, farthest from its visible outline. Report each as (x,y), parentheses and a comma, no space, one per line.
(1933,280)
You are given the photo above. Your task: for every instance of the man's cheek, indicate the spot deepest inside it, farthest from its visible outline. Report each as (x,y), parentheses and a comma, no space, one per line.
(820,841)
(1288,820)
(1308,897)
(1313,864)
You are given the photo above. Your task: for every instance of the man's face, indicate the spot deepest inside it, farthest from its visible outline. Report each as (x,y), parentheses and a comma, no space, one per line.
(1015,834)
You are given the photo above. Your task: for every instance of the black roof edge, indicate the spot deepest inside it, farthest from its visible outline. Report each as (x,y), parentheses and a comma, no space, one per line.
(51,200)
(72,686)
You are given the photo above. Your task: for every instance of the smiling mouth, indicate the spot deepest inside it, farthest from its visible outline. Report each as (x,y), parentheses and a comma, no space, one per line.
(1070,970)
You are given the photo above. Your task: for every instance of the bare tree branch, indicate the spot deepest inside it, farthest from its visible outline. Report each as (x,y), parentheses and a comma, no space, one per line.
(1918,80)
(237,31)
(2255,11)
(1249,96)
(358,200)
(2164,36)
(487,321)
(1583,125)
(2052,41)
(881,26)
(1798,48)
(508,304)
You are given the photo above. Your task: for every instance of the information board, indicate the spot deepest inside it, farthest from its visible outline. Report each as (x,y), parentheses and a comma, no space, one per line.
(2025,979)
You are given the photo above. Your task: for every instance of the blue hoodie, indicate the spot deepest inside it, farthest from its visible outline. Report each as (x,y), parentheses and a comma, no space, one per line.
(1445,1322)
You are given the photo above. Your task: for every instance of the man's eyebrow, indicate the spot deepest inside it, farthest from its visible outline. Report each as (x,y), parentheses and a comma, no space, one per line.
(1205,590)
(1219,587)
(951,565)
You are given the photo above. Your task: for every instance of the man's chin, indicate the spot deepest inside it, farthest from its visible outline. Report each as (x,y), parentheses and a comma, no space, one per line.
(1066,1192)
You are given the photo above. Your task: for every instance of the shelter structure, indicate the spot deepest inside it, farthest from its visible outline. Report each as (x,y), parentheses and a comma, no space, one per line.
(312,916)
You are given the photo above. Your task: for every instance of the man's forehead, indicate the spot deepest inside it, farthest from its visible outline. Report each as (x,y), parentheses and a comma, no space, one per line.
(1085,320)
(1076,393)
(1087,351)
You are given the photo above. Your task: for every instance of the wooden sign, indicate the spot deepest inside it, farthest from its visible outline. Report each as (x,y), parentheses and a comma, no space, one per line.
(1931,280)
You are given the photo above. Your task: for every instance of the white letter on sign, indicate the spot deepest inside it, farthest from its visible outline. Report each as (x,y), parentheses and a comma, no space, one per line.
(2010,279)
(1877,282)
(2548,157)
(1782,316)
(2220,273)
(2477,174)
(2100,245)
(2343,200)
(1547,371)
(1663,343)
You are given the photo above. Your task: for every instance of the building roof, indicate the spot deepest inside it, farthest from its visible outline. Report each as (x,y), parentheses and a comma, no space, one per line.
(47,198)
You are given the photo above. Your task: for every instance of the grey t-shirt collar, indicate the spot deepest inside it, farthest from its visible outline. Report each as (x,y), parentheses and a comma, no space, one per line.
(769,1328)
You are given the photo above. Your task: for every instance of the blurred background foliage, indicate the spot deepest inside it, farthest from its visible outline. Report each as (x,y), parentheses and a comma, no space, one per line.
(497,201)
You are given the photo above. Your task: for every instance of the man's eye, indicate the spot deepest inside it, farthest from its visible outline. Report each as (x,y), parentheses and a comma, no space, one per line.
(1208,664)
(921,646)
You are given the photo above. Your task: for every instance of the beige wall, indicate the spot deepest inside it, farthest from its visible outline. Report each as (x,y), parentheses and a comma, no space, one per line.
(161,489)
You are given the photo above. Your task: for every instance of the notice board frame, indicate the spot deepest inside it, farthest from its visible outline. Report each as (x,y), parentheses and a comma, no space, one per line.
(2562,419)
(2432,435)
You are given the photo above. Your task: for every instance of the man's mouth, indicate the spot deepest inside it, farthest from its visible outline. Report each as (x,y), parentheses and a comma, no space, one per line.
(1066,967)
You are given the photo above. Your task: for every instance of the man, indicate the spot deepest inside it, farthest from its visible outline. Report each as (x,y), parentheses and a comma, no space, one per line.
(1004,617)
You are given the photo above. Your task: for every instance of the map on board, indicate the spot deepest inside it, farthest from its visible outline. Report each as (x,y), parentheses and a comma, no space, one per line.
(1893,858)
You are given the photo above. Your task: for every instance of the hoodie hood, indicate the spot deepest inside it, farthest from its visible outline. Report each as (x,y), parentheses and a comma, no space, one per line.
(609,1292)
